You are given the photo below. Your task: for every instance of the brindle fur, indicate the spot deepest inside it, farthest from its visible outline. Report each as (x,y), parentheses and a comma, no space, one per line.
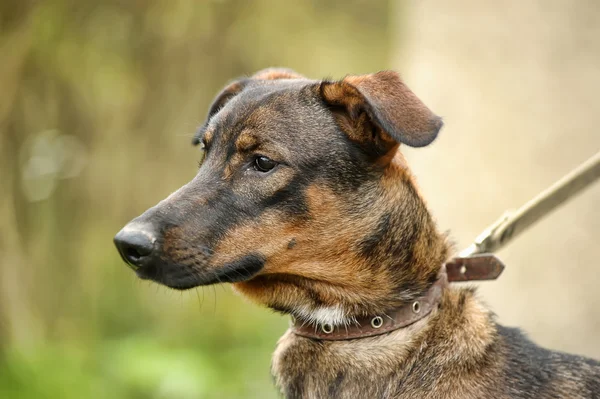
(337,230)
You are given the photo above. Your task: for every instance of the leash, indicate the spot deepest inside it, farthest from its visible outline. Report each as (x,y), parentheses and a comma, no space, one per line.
(475,263)
(511,224)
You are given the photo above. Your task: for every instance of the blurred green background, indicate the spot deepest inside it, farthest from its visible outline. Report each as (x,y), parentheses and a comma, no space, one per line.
(98,103)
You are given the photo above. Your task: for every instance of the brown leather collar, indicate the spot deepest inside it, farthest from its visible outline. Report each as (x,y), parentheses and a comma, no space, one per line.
(472,268)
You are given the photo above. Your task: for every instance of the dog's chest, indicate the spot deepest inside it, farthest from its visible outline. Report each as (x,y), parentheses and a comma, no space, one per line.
(385,367)
(304,373)
(310,369)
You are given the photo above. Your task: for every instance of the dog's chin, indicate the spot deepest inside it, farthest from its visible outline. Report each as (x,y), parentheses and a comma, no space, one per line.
(185,277)
(182,285)
(172,276)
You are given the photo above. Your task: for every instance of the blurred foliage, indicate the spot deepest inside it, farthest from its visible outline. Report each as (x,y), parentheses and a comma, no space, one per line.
(98,103)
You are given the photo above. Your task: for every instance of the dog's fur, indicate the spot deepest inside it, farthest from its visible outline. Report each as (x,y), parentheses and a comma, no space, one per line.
(338,230)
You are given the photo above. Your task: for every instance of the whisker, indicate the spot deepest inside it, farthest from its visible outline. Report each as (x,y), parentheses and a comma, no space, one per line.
(190,135)
(198,297)
(215,301)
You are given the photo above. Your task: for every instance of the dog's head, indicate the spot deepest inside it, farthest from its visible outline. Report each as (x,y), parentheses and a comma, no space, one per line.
(301,199)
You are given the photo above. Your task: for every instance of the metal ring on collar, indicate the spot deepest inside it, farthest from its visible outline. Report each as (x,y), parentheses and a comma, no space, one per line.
(377,322)
(327,328)
(416,307)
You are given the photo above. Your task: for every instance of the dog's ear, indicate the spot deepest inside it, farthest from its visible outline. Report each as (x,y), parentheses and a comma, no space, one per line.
(381,108)
(230,91)
(236,87)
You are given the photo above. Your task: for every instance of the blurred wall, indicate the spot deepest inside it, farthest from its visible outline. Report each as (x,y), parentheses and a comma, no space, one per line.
(517,83)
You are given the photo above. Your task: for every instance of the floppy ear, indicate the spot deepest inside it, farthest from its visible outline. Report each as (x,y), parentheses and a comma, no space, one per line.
(236,87)
(380,104)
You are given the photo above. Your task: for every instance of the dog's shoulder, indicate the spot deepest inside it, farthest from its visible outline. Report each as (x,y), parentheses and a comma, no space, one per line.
(465,343)
(538,372)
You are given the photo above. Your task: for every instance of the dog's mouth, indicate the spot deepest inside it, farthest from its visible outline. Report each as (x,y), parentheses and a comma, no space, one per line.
(182,276)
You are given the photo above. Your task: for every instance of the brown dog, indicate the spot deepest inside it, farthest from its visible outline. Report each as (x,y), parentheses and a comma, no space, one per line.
(305,204)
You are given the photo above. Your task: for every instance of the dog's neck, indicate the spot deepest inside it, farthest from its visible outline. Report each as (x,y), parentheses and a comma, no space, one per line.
(374,325)
(405,247)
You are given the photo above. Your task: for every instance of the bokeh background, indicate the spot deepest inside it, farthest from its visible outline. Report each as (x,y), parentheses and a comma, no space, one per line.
(98,103)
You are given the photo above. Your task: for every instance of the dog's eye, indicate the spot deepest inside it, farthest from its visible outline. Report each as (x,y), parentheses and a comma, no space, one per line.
(264,164)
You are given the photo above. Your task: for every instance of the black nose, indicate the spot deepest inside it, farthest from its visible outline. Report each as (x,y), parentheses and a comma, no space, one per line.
(136,246)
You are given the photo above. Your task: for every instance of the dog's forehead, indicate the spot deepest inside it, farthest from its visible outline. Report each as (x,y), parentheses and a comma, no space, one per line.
(267,95)
(262,107)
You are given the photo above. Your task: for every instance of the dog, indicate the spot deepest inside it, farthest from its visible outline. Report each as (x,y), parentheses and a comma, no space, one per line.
(304,203)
